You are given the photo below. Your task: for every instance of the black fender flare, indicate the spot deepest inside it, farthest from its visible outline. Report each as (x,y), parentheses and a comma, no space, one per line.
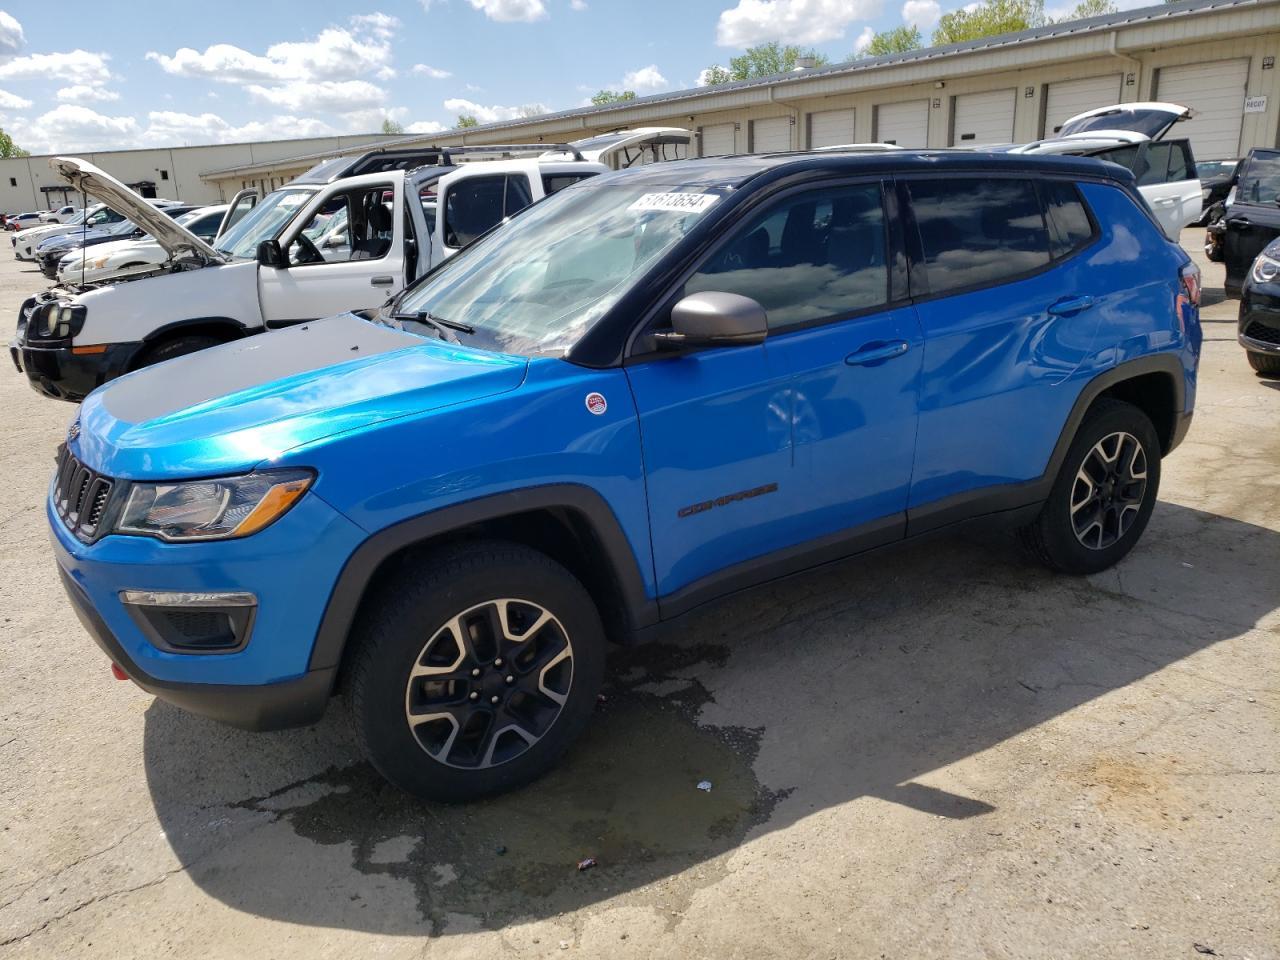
(160,333)
(348,591)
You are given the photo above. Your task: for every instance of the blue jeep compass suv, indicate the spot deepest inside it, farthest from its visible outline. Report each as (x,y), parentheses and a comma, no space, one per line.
(653,388)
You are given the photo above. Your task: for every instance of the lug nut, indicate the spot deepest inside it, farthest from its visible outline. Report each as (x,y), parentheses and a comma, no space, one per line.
(510,678)
(493,699)
(498,663)
(475,671)
(475,695)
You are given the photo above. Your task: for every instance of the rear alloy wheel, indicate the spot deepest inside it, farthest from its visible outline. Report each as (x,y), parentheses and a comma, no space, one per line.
(473,669)
(1104,493)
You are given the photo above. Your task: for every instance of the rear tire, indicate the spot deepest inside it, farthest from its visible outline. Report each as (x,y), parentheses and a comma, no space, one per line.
(1104,493)
(177,347)
(1265,364)
(473,669)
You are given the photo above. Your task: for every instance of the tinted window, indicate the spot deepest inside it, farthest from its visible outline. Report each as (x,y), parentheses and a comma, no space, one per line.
(518,194)
(1127,157)
(555,182)
(473,207)
(1065,216)
(817,255)
(976,231)
(1260,178)
(1165,162)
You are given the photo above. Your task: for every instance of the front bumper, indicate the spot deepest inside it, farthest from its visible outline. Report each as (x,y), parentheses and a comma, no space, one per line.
(58,373)
(291,567)
(1258,329)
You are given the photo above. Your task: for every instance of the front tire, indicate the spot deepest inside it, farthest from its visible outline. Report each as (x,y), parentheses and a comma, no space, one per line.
(1104,493)
(1264,363)
(473,670)
(177,347)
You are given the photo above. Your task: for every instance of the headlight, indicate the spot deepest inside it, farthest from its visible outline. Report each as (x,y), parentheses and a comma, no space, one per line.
(62,321)
(100,263)
(1265,269)
(212,509)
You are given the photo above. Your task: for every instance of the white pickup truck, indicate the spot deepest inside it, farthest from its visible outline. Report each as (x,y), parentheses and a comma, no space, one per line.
(344,236)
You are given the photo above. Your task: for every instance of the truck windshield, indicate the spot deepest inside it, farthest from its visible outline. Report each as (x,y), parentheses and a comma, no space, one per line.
(536,285)
(263,222)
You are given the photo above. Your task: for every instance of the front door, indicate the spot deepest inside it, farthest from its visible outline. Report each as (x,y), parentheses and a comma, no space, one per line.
(1253,219)
(346,254)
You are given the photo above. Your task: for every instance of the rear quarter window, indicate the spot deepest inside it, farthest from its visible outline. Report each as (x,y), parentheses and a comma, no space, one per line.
(1066,217)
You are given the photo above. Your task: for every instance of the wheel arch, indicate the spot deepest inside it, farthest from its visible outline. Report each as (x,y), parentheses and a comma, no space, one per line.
(570,523)
(224,328)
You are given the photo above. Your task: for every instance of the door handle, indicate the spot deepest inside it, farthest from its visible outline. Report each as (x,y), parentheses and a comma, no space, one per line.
(1069,306)
(1238,224)
(876,352)
(382,281)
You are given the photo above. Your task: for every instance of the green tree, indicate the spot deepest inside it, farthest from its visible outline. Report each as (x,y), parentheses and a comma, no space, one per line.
(990,18)
(466,120)
(1092,8)
(612,96)
(764,60)
(902,39)
(10,149)
(389,126)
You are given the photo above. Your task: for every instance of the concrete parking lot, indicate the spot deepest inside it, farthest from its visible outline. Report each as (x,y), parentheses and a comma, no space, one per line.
(943,751)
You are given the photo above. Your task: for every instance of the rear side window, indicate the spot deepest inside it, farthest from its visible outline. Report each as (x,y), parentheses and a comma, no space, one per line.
(1165,162)
(1066,218)
(477,205)
(811,257)
(555,182)
(977,232)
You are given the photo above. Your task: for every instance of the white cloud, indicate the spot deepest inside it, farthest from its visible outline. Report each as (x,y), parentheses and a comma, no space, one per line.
(435,73)
(495,113)
(790,21)
(507,11)
(645,79)
(863,40)
(425,126)
(335,54)
(76,66)
(336,96)
(578,4)
(11,101)
(82,92)
(72,127)
(921,13)
(11,37)
(171,128)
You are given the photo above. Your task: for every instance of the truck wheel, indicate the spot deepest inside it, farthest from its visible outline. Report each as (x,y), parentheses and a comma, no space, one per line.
(473,670)
(1265,364)
(1104,493)
(178,347)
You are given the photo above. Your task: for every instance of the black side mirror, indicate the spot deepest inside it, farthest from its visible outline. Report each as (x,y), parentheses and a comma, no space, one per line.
(714,319)
(270,254)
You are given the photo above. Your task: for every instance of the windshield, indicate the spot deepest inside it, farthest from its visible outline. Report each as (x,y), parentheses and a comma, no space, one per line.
(1212,169)
(1147,122)
(538,284)
(121,229)
(1260,179)
(263,222)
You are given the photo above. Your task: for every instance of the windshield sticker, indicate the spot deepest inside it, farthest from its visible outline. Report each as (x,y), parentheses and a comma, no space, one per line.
(675,202)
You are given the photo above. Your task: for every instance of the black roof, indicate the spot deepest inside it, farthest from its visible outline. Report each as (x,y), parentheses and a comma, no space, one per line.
(735,170)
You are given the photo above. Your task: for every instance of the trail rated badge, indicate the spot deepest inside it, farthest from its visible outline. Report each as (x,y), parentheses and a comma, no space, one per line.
(596,403)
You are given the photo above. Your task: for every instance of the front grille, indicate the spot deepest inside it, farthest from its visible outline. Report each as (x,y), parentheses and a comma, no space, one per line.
(80,495)
(1257,330)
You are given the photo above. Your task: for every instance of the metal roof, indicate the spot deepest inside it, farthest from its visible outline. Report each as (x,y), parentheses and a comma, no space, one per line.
(1055,31)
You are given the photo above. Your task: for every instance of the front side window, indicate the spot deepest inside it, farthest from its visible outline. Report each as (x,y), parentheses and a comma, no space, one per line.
(811,257)
(356,225)
(977,231)
(263,222)
(1260,178)
(540,283)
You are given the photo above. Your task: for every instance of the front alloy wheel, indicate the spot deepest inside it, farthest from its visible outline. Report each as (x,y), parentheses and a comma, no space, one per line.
(489,684)
(1109,490)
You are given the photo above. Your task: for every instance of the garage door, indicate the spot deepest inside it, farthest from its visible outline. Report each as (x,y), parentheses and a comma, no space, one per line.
(1064,100)
(717,140)
(906,124)
(983,118)
(771,136)
(1215,92)
(830,127)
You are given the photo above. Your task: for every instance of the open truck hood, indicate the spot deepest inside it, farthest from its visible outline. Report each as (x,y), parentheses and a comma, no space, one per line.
(176,241)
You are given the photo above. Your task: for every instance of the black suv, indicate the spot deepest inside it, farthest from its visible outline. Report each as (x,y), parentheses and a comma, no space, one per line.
(1253,218)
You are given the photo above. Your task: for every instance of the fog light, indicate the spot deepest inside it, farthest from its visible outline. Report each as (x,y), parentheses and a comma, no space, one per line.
(193,622)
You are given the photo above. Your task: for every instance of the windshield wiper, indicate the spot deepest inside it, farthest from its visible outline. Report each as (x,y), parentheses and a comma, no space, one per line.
(441,326)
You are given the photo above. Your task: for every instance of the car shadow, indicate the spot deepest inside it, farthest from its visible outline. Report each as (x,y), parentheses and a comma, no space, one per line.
(853,681)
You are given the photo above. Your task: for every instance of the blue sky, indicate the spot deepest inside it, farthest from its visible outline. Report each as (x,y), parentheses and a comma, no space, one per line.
(80,75)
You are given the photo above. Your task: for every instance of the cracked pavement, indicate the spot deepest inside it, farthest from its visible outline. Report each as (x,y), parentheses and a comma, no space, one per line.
(941,751)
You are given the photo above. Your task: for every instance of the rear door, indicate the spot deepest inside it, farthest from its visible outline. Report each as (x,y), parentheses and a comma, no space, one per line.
(1006,310)
(1253,218)
(470,206)
(241,203)
(1167,178)
(345,252)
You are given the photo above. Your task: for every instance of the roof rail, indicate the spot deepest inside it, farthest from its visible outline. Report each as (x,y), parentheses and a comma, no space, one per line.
(569,148)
